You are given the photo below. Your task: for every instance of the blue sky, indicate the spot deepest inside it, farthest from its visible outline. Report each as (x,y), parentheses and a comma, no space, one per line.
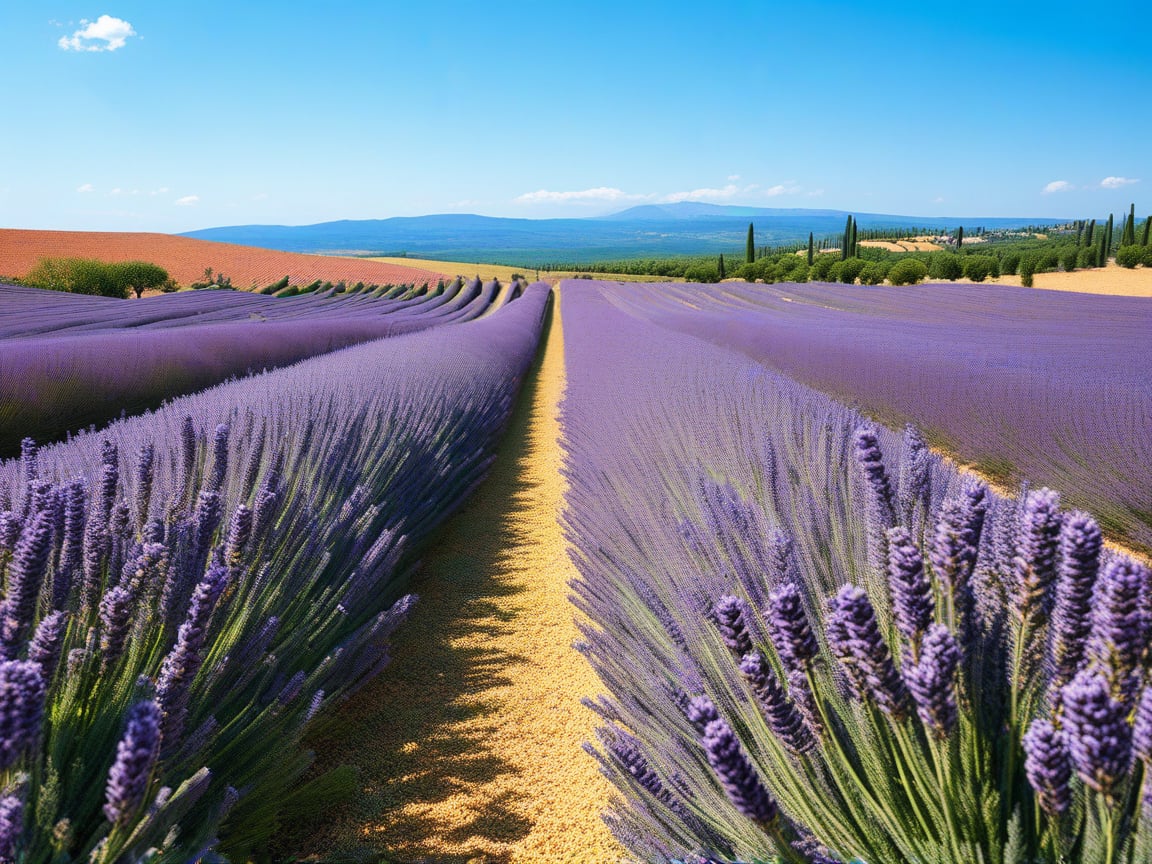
(197,114)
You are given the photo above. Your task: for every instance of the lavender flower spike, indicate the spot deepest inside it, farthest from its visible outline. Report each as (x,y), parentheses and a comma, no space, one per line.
(1048,766)
(1119,635)
(1142,729)
(25,575)
(21,709)
(854,637)
(932,681)
(737,775)
(1099,737)
(11,827)
(44,649)
(729,614)
(789,628)
(1080,544)
(912,603)
(1034,568)
(136,754)
(783,719)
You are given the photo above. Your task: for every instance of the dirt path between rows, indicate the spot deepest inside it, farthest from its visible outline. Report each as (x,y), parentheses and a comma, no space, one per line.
(469,742)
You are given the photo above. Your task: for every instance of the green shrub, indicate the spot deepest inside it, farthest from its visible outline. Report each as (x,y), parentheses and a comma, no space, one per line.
(1148,256)
(89,276)
(872,274)
(850,269)
(946,265)
(799,274)
(1130,256)
(1086,257)
(709,272)
(1009,263)
(822,267)
(980,267)
(1068,258)
(1050,260)
(907,272)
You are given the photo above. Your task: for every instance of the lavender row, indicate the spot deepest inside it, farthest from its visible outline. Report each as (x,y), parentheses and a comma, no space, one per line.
(56,384)
(32,312)
(1054,387)
(823,644)
(185,591)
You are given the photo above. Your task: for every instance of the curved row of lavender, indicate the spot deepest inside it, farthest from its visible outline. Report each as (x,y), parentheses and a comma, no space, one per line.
(1049,385)
(71,378)
(815,651)
(186,590)
(27,312)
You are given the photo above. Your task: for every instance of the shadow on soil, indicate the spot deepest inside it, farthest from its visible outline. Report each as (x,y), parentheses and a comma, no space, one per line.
(402,731)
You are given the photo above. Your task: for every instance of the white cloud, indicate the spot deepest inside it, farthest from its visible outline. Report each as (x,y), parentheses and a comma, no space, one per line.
(160,191)
(584,196)
(86,187)
(116,192)
(1116,182)
(732,178)
(104,34)
(728,192)
(1057,186)
(188,201)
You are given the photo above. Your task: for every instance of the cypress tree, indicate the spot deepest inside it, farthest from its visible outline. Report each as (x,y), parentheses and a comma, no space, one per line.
(750,246)
(1079,233)
(1128,235)
(845,246)
(852,244)
(1147,226)
(959,236)
(1088,234)
(1107,241)
(1102,250)
(721,266)
(812,249)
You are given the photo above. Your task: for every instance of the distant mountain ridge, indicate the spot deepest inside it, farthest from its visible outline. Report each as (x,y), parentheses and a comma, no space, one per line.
(648,230)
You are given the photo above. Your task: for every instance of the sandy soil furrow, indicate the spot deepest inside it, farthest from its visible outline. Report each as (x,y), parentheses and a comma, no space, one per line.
(469,742)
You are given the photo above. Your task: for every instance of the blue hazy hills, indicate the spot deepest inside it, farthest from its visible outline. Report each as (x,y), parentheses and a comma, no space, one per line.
(646,231)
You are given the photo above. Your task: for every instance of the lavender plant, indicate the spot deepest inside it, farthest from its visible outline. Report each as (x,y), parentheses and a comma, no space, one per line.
(186,591)
(978,693)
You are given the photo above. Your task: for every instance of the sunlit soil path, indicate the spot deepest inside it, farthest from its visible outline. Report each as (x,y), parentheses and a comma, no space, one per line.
(469,742)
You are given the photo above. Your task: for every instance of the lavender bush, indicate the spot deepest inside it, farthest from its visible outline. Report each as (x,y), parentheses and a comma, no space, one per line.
(817,652)
(186,590)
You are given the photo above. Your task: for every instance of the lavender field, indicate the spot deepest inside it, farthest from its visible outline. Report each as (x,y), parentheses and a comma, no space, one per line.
(817,640)
(1051,388)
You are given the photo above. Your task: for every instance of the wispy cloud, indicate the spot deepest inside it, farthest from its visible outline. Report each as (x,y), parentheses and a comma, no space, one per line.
(726,193)
(1057,186)
(188,201)
(732,178)
(1117,182)
(583,196)
(104,34)
(86,187)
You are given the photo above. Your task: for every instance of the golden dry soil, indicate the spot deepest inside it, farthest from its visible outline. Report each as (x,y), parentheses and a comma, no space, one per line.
(469,742)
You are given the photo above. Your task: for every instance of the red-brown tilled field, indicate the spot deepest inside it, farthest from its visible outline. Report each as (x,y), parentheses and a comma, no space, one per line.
(185,259)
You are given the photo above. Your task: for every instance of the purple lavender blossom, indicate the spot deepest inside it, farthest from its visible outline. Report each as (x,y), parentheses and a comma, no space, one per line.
(854,637)
(187,456)
(729,615)
(109,479)
(136,755)
(701,712)
(1099,737)
(737,775)
(115,613)
(11,827)
(1080,544)
(880,505)
(1142,728)
(789,628)
(913,606)
(1048,766)
(72,552)
(781,715)
(25,576)
(10,527)
(1034,567)
(932,681)
(183,662)
(144,476)
(21,709)
(915,469)
(1119,636)
(219,457)
(47,642)
(955,546)
(239,533)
